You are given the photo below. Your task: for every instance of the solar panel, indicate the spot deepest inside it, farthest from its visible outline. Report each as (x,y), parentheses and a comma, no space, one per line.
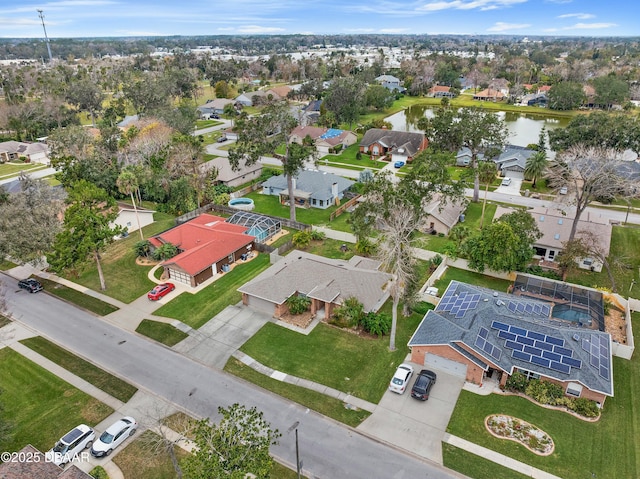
(604,362)
(604,341)
(540,361)
(475,297)
(511,306)
(554,340)
(517,330)
(543,345)
(546,310)
(534,335)
(520,308)
(507,335)
(483,333)
(528,308)
(480,342)
(513,345)
(604,372)
(455,309)
(537,309)
(594,361)
(520,355)
(500,326)
(552,356)
(586,345)
(575,363)
(461,313)
(492,351)
(533,351)
(563,351)
(525,340)
(563,368)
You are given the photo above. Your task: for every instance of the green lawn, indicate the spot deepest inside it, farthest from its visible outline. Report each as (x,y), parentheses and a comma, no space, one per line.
(4,321)
(471,277)
(6,264)
(13,169)
(78,298)
(125,279)
(270,205)
(348,157)
(101,379)
(607,448)
(136,461)
(196,309)
(40,406)
(162,332)
(330,356)
(474,466)
(330,248)
(321,403)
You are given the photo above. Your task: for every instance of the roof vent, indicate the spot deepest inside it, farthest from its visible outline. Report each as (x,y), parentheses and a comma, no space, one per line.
(575,337)
(560,221)
(557,236)
(495,294)
(500,302)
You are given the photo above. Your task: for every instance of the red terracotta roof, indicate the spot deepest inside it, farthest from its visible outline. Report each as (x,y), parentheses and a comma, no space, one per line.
(204,241)
(442,88)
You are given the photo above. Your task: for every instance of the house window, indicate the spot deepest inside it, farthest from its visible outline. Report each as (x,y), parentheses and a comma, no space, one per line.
(552,254)
(230,258)
(321,202)
(540,251)
(528,374)
(587,262)
(574,389)
(313,201)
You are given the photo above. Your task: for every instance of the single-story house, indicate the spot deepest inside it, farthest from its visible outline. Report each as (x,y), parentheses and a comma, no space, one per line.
(556,228)
(324,138)
(310,113)
(511,162)
(441,217)
(481,333)
(230,177)
(396,145)
(21,151)
(128,220)
(311,188)
(440,91)
(249,98)
(214,107)
(327,282)
(279,92)
(389,80)
(489,94)
(36,466)
(206,245)
(534,99)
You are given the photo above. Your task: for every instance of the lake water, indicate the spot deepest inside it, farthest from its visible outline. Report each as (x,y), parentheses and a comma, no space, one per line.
(524,128)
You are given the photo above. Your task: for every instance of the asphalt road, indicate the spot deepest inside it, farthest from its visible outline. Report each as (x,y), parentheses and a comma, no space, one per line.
(328,449)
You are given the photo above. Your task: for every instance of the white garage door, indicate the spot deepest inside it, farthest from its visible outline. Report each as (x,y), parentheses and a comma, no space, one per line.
(446,365)
(179,276)
(261,305)
(517,175)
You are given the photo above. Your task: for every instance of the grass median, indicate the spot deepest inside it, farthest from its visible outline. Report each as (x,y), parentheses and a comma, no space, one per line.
(101,379)
(39,406)
(78,298)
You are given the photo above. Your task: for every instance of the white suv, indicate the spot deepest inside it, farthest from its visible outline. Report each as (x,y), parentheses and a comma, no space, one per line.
(71,444)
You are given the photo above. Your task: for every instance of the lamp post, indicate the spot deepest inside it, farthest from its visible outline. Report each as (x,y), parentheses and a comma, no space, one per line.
(294,426)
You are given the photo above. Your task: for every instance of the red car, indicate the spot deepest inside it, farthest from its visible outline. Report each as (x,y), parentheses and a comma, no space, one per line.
(160,291)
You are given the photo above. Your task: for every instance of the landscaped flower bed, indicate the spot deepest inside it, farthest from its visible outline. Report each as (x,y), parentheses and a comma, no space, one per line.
(507,427)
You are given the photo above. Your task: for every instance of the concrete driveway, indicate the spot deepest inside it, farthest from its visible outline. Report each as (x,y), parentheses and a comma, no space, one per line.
(415,425)
(511,189)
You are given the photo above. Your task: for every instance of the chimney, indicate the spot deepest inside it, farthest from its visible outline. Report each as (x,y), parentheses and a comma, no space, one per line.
(334,190)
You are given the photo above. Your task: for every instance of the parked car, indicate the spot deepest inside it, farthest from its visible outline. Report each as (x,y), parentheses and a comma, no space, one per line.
(215,116)
(398,164)
(30,284)
(564,190)
(222,139)
(506,181)
(70,445)
(424,382)
(114,436)
(160,290)
(401,378)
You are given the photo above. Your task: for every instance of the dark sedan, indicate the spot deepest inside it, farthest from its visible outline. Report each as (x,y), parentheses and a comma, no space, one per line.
(424,382)
(30,284)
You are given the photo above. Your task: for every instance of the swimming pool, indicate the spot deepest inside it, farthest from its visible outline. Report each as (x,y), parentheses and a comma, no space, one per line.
(242,204)
(571,313)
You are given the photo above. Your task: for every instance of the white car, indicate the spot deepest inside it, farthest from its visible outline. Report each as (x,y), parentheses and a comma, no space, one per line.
(401,378)
(114,436)
(70,445)
(506,181)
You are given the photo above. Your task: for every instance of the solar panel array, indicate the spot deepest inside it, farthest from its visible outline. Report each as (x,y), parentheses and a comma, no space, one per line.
(525,307)
(458,304)
(537,348)
(482,342)
(599,357)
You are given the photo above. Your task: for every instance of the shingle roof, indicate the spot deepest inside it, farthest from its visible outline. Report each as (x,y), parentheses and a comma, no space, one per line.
(317,183)
(22,148)
(448,213)
(320,278)
(440,327)
(205,240)
(394,140)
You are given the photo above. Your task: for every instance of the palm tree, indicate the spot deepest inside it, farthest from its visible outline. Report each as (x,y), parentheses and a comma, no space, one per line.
(536,166)
(127,183)
(486,175)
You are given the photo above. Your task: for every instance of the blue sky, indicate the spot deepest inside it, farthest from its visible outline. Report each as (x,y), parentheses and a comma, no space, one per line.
(82,18)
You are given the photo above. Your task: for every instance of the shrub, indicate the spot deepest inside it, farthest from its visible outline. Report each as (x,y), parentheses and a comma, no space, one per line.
(365,247)
(517,382)
(99,473)
(422,307)
(376,323)
(350,313)
(318,235)
(544,392)
(586,407)
(142,248)
(301,239)
(164,252)
(298,304)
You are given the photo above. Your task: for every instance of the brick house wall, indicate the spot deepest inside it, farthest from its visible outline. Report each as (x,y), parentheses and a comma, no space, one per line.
(474,372)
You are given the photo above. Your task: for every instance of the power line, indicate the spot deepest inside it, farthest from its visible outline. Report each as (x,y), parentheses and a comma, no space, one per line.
(46,38)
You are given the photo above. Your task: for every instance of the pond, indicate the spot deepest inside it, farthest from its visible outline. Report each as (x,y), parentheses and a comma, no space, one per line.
(524,128)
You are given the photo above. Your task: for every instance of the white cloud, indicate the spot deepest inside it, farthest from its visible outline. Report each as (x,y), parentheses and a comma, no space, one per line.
(467,5)
(393,30)
(581,16)
(590,26)
(504,27)
(258,29)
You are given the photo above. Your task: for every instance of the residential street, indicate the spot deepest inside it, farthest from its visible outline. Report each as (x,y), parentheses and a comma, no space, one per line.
(328,449)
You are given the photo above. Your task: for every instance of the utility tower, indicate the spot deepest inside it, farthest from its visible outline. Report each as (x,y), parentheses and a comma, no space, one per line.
(46,38)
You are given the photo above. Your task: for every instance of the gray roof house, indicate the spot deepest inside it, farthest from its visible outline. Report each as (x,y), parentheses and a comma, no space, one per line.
(327,282)
(312,188)
(441,216)
(486,332)
(15,150)
(214,107)
(397,145)
(388,79)
(511,162)
(556,228)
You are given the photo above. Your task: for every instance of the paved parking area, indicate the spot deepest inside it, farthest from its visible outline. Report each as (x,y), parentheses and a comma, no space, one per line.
(512,189)
(414,425)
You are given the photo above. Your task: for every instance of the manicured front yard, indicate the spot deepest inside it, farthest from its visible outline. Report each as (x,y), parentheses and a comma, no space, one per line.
(40,406)
(5,265)
(101,379)
(162,332)
(335,358)
(607,448)
(13,169)
(270,205)
(470,277)
(137,461)
(473,466)
(125,279)
(197,309)
(78,298)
